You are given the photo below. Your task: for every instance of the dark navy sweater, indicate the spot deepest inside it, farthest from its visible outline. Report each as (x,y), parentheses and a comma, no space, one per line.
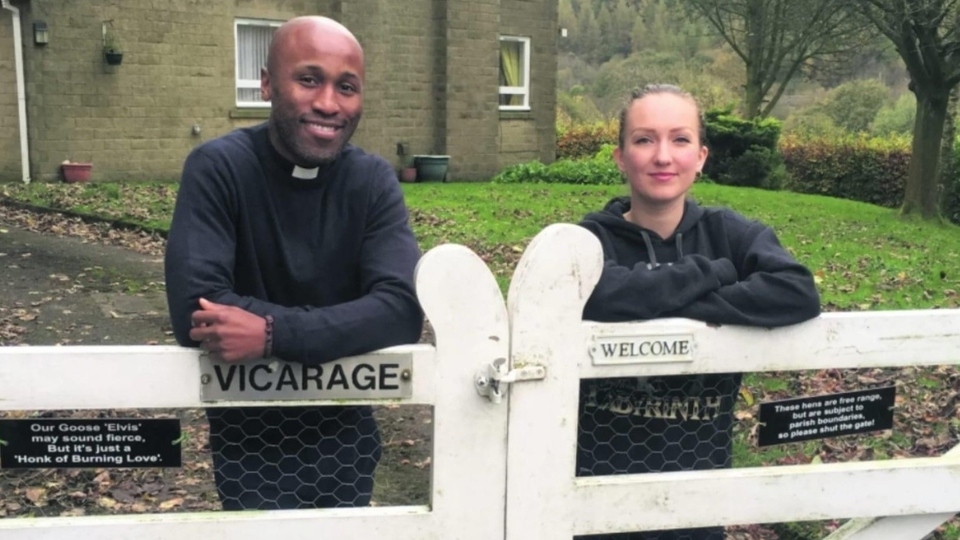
(331,258)
(717,267)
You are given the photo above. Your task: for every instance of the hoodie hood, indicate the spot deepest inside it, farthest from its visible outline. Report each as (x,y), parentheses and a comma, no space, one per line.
(611,218)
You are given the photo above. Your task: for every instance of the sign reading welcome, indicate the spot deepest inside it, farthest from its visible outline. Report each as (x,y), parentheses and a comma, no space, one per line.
(642,349)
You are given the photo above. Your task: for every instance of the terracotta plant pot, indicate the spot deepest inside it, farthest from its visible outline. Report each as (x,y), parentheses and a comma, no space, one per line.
(408,174)
(76,172)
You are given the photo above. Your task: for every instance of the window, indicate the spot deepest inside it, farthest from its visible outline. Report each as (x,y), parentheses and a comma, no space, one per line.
(252,43)
(514,73)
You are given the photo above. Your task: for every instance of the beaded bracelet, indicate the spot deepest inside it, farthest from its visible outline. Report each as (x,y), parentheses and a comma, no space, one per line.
(268,337)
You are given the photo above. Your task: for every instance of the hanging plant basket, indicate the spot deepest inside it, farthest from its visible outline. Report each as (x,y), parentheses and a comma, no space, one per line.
(113,58)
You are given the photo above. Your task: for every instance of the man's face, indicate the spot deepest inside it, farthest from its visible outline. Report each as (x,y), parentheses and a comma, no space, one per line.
(316,89)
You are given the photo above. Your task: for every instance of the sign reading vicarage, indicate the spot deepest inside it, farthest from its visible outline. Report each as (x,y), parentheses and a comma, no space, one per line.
(373,376)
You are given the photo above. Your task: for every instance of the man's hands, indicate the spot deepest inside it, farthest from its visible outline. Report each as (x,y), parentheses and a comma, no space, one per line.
(228,333)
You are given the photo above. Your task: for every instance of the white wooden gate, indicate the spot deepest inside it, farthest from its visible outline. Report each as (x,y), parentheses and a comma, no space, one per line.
(546,501)
(462,300)
(506,470)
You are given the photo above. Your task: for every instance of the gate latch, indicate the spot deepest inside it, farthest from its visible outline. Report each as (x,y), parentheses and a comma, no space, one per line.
(492,379)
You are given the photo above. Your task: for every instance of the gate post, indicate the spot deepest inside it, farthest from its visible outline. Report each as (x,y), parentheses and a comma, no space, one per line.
(463,302)
(553,281)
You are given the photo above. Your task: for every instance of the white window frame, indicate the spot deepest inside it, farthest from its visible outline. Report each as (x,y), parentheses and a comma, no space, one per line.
(247,83)
(518,90)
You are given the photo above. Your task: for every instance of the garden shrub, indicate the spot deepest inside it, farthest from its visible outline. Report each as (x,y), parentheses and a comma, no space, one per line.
(584,141)
(743,152)
(599,169)
(758,163)
(853,105)
(897,118)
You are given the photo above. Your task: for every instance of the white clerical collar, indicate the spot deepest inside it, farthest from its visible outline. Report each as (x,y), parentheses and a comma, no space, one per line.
(305,174)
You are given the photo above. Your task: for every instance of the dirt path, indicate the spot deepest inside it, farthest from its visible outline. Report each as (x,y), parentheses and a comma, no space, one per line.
(63,290)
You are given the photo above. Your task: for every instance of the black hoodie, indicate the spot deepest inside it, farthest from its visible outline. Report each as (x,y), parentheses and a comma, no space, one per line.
(717,267)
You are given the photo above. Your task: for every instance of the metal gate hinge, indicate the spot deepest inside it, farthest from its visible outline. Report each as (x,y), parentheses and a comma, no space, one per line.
(492,379)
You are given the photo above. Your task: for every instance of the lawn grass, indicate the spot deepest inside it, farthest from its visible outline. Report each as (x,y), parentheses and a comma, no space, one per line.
(864,258)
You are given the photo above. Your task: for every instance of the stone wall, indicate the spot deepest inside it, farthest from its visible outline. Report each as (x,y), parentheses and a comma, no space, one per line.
(432,71)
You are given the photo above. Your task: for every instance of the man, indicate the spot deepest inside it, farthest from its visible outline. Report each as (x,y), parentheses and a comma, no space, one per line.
(289,242)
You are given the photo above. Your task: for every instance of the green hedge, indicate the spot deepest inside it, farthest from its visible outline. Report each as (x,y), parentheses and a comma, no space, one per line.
(749,153)
(742,152)
(863,169)
(872,170)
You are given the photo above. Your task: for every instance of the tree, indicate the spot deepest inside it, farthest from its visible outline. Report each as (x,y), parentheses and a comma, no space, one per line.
(776,38)
(948,171)
(926,34)
(854,105)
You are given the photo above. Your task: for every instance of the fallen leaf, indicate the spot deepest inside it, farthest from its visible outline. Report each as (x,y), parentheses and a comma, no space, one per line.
(747,396)
(37,496)
(167,505)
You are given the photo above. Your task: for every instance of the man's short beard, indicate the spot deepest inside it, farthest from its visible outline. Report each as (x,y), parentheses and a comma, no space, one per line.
(286,135)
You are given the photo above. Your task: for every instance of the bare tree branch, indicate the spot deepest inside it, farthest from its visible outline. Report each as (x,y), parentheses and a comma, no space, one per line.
(774,38)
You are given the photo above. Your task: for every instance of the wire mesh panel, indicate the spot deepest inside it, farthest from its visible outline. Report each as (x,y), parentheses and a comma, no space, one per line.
(655,424)
(637,425)
(294,457)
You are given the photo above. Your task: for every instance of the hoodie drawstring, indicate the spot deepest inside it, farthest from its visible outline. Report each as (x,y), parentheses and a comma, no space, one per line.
(653,256)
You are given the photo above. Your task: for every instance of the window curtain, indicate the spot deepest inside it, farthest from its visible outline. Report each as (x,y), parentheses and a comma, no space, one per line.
(510,71)
(253,44)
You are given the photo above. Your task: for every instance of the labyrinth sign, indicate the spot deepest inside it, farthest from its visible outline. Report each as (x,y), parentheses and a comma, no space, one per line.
(89,443)
(820,417)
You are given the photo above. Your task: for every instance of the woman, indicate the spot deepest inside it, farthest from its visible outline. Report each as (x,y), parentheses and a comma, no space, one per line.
(665,256)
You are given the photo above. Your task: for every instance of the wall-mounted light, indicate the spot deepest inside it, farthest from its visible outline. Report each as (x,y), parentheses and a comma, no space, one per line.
(41,36)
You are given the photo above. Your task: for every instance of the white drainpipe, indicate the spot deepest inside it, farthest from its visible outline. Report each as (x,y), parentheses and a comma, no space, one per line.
(21,92)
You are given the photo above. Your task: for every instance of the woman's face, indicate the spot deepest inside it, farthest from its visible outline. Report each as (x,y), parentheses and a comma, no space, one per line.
(662,151)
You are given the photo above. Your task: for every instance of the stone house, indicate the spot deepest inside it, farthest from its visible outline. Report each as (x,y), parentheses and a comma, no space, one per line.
(472,79)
